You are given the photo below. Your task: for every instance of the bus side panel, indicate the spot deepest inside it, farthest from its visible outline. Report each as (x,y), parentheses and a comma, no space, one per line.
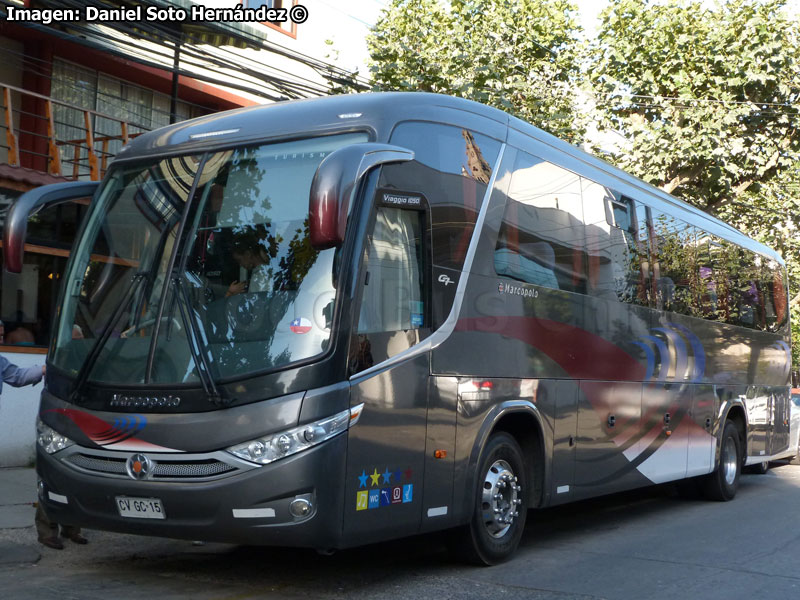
(609,434)
(768,418)
(781,400)
(565,440)
(702,443)
(758,403)
(440,454)
(662,452)
(385,454)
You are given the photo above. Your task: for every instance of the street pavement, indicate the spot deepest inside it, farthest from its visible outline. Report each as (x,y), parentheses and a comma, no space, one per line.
(649,543)
(17,507)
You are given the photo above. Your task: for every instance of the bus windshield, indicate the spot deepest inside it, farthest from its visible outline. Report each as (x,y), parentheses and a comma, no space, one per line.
(226,279)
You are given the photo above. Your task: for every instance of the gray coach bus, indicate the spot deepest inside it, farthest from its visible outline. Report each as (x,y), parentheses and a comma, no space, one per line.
(337,321)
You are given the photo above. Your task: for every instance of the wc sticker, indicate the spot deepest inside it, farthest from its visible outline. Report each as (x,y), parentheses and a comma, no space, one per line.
(379,489)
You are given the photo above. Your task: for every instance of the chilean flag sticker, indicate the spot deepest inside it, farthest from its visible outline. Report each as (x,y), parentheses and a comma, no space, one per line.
(300,325)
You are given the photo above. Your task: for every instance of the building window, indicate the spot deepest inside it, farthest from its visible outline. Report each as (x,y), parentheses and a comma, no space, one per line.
(142,109)
(288,27)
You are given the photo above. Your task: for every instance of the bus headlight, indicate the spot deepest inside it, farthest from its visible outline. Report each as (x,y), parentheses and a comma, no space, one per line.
(281,444)
(49,439)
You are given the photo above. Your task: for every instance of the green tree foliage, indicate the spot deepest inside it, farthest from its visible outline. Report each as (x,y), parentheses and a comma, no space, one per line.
(706,95)
(707,98)
(518,55)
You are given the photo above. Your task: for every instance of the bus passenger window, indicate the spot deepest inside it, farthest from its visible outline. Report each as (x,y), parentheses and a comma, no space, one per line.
(616,232)
(774,295)
(675,265)
(541,240)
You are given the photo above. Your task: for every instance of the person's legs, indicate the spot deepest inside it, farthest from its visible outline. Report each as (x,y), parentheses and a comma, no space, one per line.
(47,530)
(73,533)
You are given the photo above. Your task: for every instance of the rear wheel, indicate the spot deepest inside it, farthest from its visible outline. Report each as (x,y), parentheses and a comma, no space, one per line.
(724,481)
(499,505)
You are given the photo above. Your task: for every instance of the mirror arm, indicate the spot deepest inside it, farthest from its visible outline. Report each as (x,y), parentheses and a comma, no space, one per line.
(31,202)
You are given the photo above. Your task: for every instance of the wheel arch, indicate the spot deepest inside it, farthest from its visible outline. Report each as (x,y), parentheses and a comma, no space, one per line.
(736,413)
(522,420)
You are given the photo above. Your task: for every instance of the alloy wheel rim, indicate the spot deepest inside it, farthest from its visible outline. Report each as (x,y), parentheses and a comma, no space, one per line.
(500,499)
(729,461)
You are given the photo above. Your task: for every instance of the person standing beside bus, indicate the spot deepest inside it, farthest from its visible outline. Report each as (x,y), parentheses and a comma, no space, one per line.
(14,375)
(18,377)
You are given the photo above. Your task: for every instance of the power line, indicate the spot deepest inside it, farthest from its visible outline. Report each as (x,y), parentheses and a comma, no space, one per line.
(714,100)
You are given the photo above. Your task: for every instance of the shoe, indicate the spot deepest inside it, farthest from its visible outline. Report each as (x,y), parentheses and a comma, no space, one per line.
(78,538)
(52,542)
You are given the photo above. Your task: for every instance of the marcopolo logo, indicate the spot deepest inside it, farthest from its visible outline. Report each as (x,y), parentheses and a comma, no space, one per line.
(516,290)
(143,402)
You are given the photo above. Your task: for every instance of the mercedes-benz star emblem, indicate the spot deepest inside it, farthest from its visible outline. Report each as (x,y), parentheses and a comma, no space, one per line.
(139,467)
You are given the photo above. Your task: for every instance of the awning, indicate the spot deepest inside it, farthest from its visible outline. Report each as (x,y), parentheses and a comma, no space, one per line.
(28,176)
(215,33)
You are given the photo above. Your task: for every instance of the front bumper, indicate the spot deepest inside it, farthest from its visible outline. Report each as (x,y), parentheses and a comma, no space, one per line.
(247,507)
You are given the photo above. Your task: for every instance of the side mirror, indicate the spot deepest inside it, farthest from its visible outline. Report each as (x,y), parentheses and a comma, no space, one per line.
(334,183)
(29,204)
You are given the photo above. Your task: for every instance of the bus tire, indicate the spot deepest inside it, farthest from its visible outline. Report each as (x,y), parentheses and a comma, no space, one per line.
(723,482)
(759,469)
(499,505)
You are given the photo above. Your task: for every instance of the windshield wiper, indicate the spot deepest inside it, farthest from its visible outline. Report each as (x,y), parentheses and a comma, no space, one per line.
(88,363)
(195,345)
(170,268)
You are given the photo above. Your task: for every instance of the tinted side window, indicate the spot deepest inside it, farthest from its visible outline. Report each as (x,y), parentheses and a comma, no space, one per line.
(616,240)
(541,239)
(452,168)
(674,264)
(393,297)
(773,284)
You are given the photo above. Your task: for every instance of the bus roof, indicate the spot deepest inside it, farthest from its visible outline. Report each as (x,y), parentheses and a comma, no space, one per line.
(379,112)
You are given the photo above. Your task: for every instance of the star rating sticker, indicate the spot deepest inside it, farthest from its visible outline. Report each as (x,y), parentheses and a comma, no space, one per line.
(375,477)
(362,479)
(398,475)
(387,476)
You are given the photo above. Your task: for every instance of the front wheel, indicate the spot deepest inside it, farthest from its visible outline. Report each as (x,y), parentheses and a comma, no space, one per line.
(500,504)
(724,481)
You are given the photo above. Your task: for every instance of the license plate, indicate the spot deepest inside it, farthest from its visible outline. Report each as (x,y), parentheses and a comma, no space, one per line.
(140,508)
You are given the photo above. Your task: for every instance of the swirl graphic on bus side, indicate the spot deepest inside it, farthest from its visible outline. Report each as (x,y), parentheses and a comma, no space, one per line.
(668,349)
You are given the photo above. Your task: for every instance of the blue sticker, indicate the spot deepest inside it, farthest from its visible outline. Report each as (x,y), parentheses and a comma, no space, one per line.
(386,496)
(408,493)
(374,498)
(417,320)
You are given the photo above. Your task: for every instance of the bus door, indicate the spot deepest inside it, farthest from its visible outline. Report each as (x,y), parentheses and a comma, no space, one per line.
(386,452)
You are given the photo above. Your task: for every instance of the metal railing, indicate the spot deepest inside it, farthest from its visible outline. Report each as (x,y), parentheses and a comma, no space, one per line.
(32,136)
